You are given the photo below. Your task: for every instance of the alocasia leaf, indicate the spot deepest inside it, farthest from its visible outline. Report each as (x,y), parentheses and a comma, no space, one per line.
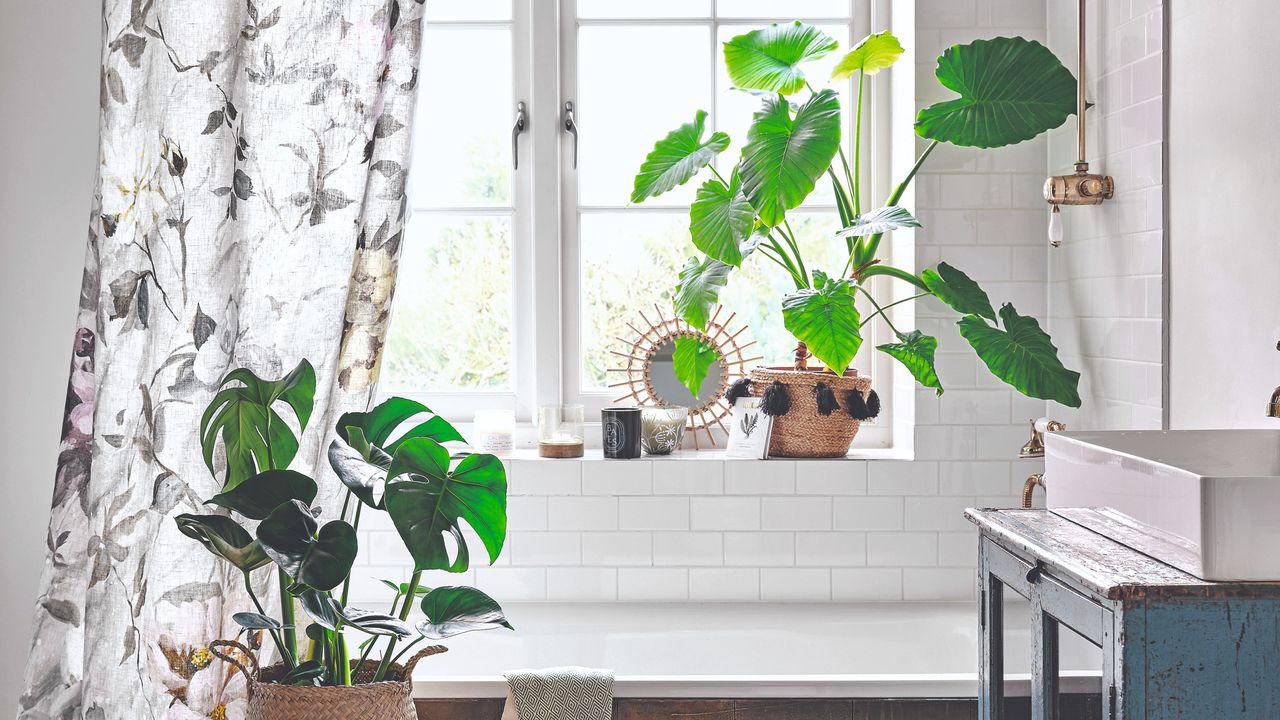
(319,557)
(677,157)
(224,537)
(721,219)
(875,53)
(827,321)
(962,294)
(769,59)
(881,220)
(785,155)
(692,360)
(698,289)
(1023,356)
(258,496)
(1011,89)
(915,351)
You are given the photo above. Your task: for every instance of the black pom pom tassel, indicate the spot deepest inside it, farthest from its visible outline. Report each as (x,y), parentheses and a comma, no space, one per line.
(826,398)
(856,405)
(775,401)
(873,405)
(739,389)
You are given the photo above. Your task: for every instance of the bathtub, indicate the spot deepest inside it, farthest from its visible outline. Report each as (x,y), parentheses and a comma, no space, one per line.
(688,650)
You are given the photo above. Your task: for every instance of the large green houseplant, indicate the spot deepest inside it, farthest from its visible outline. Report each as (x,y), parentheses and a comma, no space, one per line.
(390,459)
(1009,90)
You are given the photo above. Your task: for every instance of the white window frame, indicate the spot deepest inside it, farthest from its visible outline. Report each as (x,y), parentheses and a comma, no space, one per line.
(546,257)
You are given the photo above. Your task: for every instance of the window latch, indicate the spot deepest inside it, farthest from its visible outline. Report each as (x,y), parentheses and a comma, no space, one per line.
(522,121)
(571,127)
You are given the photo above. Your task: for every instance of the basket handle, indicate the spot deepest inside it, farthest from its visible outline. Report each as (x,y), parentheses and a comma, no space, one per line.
(424,652)
(250,677)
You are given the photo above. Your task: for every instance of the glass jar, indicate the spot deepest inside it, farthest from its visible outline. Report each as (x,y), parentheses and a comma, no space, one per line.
(561,431)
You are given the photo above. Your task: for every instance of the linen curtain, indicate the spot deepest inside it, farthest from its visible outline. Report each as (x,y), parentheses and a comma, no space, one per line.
(248,212)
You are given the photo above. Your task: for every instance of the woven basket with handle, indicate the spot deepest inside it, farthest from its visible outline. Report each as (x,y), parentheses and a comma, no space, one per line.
(803,432)
(387,700)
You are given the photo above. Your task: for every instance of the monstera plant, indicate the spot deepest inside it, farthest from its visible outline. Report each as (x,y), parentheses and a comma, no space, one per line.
(389,459)
(1008,90)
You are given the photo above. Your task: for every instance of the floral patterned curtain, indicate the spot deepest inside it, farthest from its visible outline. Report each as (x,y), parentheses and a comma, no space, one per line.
(248,212)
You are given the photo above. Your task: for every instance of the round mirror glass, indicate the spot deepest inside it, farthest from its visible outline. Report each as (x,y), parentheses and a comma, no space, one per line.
(695,360)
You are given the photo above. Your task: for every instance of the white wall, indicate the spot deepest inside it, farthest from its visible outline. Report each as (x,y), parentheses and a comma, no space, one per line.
(1106,281)
(1223,216)
(48,142)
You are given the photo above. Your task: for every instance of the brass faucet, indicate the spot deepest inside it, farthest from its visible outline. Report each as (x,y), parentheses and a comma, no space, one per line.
(1035,449)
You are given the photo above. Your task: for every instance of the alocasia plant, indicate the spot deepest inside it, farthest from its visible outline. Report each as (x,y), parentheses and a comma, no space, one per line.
(391,459)
(1008,89)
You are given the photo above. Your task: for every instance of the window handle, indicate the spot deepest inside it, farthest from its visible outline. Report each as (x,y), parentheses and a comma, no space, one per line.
(522,121)
(571,127)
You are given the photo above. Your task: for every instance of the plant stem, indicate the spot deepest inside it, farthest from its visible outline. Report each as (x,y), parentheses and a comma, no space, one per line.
(718,175)
(795,247)
(355,524)
(404,615)
(796,277)
(407,648)
(856,182)
(287,615)
(873,241)
(288,661)
(879,311)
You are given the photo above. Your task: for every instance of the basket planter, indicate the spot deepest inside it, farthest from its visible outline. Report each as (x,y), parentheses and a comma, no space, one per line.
(387,700)
(803,431)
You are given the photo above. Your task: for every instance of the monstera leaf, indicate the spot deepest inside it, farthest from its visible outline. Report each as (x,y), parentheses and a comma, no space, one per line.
(699,288)
(256,497)
(380,423)
(224,537)
(455,610)
(677,157)
(875,53)
(1023,356)
(692,360)
(361,466)
(785,155)
(769,59)
(254,436)
(1011,89)
(721,219)
(428,501)
(915,351)
(827,321)
(959,292)
(881,220)
(318,557)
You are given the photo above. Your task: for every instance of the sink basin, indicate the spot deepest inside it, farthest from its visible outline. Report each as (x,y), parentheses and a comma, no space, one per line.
(1204,501)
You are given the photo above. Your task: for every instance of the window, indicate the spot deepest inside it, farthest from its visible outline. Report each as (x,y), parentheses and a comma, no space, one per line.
(515,283)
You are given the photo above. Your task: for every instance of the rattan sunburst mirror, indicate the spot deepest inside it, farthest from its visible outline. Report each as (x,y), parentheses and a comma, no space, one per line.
(648,371)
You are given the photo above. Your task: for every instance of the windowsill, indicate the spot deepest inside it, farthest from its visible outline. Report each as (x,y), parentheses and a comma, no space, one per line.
(712,455)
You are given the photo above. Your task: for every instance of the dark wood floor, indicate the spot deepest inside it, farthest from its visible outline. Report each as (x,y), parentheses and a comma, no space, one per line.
(1073,707)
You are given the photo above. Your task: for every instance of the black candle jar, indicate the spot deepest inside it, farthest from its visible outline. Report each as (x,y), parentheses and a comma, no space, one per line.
(620,429)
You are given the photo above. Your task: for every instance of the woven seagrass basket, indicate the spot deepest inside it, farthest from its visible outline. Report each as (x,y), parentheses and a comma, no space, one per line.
(803,432)
(387,700)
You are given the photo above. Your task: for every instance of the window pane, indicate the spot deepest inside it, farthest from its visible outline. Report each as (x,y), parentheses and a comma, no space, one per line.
(629,264)
(451,328)
(454,10)
(646,9)
(791,9)
(462,141)
(636,84)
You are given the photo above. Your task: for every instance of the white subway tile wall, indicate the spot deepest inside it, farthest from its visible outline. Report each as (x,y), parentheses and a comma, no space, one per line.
(1106,281)
(701,529)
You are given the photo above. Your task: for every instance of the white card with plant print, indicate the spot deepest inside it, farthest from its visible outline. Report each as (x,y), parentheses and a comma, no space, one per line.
(749,432)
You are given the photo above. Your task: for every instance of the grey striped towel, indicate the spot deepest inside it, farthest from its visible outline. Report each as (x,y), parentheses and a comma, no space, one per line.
(566,693)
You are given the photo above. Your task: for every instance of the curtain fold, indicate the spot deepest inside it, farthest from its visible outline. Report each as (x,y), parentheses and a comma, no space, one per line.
(248,212)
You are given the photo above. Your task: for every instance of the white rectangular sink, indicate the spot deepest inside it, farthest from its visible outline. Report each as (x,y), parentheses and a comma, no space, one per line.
(1204,501)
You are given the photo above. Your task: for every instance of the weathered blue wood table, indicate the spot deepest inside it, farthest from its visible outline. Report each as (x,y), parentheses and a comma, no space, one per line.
(1173,646)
